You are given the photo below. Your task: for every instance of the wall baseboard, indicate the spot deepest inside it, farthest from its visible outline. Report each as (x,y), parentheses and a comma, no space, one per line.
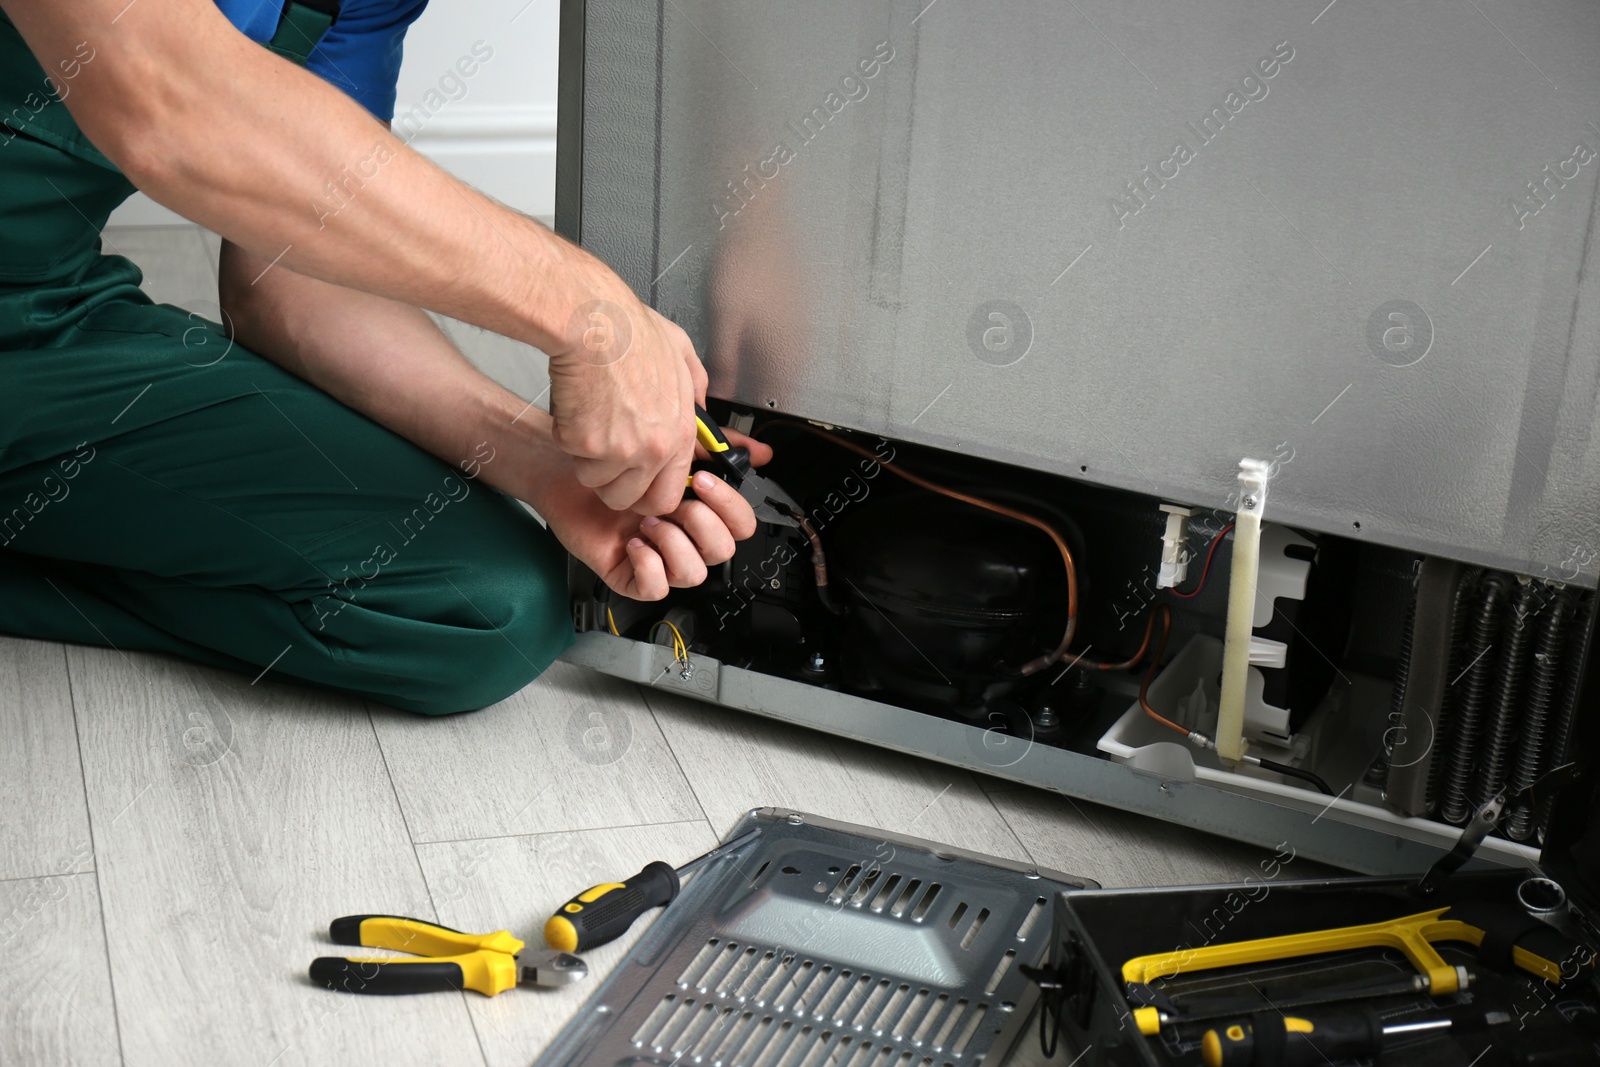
(507,152)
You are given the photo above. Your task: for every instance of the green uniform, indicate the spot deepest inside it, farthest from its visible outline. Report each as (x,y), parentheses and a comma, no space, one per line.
(164,489)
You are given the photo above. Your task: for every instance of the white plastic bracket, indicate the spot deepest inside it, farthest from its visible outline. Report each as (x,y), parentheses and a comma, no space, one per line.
(1253,477)
(1174,555)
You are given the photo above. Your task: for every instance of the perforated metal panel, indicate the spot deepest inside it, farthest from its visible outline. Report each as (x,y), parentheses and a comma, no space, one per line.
(824,943)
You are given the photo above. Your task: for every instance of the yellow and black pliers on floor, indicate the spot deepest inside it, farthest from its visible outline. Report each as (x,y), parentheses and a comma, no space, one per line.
(484,963)
(731,463)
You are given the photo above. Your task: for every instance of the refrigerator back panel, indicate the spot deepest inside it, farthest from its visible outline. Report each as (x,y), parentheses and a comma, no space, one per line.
(1135,243)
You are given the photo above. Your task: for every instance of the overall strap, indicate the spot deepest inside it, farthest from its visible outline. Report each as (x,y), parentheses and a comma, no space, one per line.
(301,26)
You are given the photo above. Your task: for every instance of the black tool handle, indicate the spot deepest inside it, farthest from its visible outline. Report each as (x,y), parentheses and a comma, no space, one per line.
(727,461)
(603,913)
(1270,1039)
(381,979)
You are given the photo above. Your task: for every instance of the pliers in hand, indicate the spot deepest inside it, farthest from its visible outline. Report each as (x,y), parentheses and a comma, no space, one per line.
(732,464)
(484,963)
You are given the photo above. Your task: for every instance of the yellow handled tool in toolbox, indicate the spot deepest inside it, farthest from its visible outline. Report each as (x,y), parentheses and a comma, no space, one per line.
(1503,934)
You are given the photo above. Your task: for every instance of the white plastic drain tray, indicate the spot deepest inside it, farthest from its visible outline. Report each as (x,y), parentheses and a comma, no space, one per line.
(823,943)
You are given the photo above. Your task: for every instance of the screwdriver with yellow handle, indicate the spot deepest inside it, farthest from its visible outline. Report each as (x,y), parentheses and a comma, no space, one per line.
(602,913)
(1272,1039)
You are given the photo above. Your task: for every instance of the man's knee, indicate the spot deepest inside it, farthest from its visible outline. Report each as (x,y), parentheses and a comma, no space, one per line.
(522,625)
(469,616)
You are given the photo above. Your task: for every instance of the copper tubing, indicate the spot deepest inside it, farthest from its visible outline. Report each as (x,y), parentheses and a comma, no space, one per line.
(1033,666)
(1127,664)
(1150,672)
(819,563)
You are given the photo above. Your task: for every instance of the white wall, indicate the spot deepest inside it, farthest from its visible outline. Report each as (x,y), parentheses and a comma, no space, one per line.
(496,129)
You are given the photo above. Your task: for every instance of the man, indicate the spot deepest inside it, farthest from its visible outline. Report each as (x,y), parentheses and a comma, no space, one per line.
(333,496)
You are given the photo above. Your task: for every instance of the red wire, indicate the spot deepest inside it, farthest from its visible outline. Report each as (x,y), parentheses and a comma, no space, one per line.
(1212,551)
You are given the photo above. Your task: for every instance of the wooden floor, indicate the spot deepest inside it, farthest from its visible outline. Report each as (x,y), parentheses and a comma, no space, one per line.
(176,838)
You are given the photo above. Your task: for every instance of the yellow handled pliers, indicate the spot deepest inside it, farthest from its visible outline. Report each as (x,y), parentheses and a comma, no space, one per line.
(732,463)
(484,963)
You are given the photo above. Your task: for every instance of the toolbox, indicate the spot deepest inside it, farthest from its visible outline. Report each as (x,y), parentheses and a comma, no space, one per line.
(1129,982)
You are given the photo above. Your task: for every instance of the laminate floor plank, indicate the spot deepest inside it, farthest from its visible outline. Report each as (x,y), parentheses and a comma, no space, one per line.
(231,823)
(574,750)
(55,988)
(738,761)
(1118,848)
(46,825)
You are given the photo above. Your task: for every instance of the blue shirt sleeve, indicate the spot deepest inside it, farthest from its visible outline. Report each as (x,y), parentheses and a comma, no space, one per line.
(360,53)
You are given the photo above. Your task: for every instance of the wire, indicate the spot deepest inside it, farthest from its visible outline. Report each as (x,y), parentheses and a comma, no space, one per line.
(1292,772)
(611,621)
(680,647)
(1210,552)
(1165,614)
(1037,664)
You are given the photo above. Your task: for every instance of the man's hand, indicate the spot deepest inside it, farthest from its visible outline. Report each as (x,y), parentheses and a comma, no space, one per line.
(643,559)
(390,362)
(622,394)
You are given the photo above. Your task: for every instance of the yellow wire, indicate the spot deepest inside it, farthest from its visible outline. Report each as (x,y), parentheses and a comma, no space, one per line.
(611,619)
(680,647)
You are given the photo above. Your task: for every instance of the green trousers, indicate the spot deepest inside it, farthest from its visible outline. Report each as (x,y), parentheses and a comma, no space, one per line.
(165,489)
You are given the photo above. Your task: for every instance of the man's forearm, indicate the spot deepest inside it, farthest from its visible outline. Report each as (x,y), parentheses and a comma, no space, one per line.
(391,363)
(212,125)
(227,134)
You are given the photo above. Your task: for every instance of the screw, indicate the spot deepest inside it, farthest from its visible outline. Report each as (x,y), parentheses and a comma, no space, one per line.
(686,674)
(1249,503)
(775,583)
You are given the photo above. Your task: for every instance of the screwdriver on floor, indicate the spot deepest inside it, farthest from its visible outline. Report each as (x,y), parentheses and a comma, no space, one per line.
(603,913)
(1271,1039)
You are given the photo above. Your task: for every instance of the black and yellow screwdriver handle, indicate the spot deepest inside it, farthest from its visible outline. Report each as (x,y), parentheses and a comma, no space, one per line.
(484,963)
(603,913)
(1271,1039)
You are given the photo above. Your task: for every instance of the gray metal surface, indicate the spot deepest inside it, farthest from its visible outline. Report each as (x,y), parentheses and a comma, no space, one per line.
(1353,836)
(822,942)
(1373,266)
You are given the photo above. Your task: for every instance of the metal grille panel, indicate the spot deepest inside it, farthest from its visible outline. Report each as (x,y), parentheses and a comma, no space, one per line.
(827,945)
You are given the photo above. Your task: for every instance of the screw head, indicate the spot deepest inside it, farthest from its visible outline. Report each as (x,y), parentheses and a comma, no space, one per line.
(686,674)
(1248,502)
(775,583)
